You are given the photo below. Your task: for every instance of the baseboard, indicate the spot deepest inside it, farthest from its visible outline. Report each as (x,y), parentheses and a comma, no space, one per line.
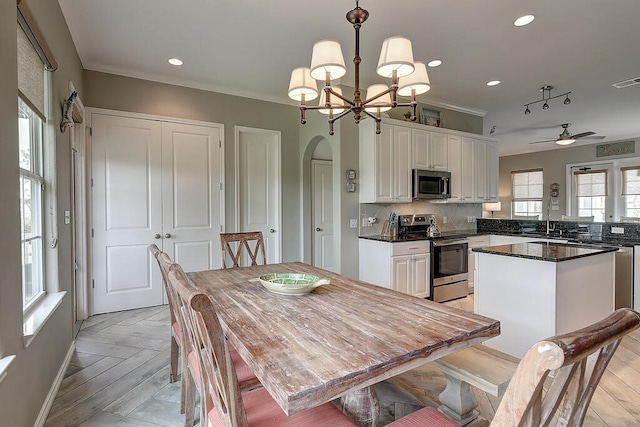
(48,402)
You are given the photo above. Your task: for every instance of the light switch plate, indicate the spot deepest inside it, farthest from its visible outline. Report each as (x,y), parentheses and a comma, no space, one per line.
(353,223)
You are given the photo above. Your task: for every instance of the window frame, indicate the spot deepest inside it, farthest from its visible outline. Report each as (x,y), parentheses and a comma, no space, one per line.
(530,201)
(35,176)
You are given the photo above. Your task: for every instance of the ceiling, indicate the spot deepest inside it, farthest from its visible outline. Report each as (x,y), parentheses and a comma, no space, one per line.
(248,48)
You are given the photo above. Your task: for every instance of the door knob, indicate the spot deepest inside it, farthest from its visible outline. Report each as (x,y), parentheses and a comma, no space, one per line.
(272,230)
(318,229)
(157,236)
(167,236)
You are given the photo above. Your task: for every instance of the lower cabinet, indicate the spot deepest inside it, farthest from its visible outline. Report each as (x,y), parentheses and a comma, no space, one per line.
(474,242)
(402,266)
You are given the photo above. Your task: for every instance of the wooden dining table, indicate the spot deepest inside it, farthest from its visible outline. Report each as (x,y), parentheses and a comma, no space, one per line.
(337,341)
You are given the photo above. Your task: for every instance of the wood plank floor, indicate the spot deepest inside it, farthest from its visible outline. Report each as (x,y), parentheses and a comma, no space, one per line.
(119,374)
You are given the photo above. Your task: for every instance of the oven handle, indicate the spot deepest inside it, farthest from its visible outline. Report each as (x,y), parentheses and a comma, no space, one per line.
(450,242)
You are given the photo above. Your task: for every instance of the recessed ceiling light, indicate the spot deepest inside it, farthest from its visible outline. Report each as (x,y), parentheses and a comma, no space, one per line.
(524,20)
(175,61)
(435,63)
(493,83)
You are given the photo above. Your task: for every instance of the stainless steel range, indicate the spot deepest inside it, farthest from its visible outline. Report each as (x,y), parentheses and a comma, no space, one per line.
(449,255)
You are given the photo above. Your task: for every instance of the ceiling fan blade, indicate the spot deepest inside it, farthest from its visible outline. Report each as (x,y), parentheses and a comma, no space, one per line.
(546,140)
(593,137)
(582,135)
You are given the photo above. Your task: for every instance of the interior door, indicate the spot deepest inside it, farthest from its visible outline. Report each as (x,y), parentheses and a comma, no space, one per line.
(192,176)
(258,186)
(322,182)
(127,212)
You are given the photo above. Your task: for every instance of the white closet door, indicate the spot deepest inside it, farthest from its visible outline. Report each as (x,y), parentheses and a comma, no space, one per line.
(258,183)
(127,212)
(153,182)
(191,195)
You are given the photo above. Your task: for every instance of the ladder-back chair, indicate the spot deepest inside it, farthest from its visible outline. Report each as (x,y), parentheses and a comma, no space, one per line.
(576,359)
(225,404)
(235,244)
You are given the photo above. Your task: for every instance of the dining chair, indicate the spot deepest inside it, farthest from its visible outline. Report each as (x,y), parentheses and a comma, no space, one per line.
(568,366)
(246,378)
(234,243)
(225,404)
(164,263)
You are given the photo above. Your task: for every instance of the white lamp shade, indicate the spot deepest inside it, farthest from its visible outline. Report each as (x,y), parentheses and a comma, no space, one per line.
(385,99)
(492,207)
(327,57)
(396,54)
(418,80)
(335,102)
(302,83)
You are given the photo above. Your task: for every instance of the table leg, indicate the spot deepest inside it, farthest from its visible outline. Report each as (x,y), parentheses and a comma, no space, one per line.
(362,406)
(459,403)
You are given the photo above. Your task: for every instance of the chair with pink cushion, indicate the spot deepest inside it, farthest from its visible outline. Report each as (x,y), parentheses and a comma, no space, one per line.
(576,359)
(225,405)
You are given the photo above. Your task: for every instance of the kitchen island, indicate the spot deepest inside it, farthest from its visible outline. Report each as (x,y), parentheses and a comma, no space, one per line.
(541,289)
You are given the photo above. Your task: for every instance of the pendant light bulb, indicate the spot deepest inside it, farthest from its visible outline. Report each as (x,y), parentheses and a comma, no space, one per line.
(527,111)
(567,101)
(545,106)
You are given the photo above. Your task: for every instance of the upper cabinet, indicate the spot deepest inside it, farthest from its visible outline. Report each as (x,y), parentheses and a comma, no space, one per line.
(387,159)
(430,150)
(385,163)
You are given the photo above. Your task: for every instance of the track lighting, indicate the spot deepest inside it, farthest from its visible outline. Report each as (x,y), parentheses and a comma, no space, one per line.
(546,96)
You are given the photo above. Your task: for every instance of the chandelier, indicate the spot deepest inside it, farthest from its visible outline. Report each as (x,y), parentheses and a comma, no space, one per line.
(546,96)
(408,78)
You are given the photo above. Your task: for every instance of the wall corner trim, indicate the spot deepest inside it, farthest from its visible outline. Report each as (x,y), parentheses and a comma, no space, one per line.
(48,402)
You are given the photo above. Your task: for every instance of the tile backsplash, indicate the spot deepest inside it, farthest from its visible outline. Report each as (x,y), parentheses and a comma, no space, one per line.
(457,215)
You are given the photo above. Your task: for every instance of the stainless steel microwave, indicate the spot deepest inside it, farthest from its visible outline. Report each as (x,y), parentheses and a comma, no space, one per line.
(431,184)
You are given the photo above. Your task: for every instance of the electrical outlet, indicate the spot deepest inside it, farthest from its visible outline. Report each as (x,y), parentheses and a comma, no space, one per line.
(471,219)
(353,223)
(617,230)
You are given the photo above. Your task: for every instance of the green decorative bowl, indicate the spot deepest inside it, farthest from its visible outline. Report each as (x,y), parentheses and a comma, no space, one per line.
(291,283)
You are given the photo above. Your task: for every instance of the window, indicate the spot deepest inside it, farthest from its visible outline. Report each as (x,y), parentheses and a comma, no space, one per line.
(591,192)
(631,190)
(527,193)
(31,184)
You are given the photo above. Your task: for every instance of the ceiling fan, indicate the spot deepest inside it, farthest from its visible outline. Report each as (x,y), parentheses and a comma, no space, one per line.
(566,138)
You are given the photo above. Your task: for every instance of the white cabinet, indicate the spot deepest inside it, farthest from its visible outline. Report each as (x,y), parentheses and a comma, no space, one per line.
(430,150)
(385,163)
(636,278)
(474,242)
(402,266)
(485,166)
(461,168)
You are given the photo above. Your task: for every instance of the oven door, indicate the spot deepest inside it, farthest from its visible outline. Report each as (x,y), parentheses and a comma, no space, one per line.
(450,261)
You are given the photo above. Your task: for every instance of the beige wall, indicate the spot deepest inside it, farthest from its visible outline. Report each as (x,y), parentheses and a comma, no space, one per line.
(29,379)
(451,119)
(553,164)
(142,96)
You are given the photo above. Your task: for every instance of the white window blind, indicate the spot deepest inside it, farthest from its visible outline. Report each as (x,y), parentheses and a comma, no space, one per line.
(527,185)
(592,183)
(630,180)
(30,74)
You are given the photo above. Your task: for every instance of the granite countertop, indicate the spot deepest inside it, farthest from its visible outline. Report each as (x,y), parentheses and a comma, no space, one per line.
(545,251)
(457,234)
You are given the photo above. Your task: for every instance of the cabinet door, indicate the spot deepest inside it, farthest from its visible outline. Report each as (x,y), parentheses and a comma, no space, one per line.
(492,172)
(401,273)
(421,142)
(421,270)
(455,153)
(384,170)
(402,164)
(467,169)
(438,157)
(480,170)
